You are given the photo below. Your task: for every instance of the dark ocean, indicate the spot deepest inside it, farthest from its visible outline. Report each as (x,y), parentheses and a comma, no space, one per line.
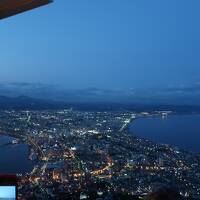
(182,131)
(14,158)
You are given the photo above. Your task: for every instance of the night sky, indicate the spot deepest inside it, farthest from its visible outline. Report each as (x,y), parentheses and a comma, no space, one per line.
(115,44)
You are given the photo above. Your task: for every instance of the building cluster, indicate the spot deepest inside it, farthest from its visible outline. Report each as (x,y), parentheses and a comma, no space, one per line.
(91,155)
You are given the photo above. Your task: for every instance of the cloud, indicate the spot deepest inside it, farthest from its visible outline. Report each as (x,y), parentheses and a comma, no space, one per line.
(174,94)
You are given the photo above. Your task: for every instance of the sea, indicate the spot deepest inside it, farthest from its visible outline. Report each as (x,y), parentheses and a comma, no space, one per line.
(14,157)
(182,131)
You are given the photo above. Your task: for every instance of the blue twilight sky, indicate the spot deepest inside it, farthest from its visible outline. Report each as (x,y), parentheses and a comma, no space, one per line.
(103,44)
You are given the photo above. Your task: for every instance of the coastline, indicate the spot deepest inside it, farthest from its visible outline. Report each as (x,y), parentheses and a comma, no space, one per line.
(148,135)
(12,151)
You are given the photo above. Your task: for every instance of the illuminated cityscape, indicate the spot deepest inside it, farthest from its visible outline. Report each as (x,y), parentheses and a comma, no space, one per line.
(86,155)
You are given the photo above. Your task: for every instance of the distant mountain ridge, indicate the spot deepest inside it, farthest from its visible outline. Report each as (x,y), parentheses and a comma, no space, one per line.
(43,96)
(25,102)
(174,95)
(28,103)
